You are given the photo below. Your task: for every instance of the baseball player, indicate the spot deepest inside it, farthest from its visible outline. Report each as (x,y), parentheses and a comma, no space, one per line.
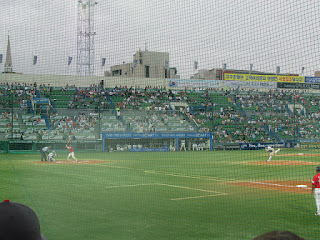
(51,156)
(183,145)
(195,147)
(200,146)
(272,152)
(71,153)
(316,189)
(44,152)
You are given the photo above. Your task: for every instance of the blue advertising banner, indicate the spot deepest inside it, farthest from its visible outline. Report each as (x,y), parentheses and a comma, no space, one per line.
(257,146)
(40,100)
(175,136)
(156,135)
(310,140)
(165,149)
(312,79)
(69,60)
(103,62)
(35,60)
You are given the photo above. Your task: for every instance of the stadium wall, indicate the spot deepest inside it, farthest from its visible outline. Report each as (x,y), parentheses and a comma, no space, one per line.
(149,136)
(312,86)
(79,81)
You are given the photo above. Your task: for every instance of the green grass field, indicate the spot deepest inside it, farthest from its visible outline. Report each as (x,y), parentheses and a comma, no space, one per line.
(167,195)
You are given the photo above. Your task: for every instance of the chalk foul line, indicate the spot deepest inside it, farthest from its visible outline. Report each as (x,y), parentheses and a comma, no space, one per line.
(175,186)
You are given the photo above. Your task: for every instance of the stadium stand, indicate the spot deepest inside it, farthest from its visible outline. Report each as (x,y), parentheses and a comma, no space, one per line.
(232,116)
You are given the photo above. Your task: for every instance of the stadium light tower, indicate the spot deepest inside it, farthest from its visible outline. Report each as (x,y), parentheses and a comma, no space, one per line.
(85,37)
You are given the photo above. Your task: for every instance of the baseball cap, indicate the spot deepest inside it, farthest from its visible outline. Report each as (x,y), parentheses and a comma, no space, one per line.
(18,221)
(318,168)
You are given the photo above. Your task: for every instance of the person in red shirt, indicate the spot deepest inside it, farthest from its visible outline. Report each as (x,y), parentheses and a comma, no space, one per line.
(316,189)
(71,153)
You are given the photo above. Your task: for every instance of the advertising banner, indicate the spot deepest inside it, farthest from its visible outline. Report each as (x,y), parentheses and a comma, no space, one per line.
(164,149)
(310,145)
(182,83)
(242,84)
(312,80)
(263,78)
(309,140)
(156,135)
(40,100)
(153,136)
(257,146)
(69,60)
(291,79)
(298,85)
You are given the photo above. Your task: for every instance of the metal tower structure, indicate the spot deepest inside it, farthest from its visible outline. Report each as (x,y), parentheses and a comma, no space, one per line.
(85,37)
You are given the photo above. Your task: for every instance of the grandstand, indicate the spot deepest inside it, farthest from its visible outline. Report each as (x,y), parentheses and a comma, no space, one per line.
(233,116)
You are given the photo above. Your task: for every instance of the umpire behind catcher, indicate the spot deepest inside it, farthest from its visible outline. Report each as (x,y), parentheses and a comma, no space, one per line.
(44,151)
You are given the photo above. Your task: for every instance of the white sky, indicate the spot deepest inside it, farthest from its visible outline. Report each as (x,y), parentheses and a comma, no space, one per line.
(266,33)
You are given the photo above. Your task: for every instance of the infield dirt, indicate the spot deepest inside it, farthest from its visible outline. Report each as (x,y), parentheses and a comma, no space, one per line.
(73,162)
(299,155)
(285,186)
(283,163)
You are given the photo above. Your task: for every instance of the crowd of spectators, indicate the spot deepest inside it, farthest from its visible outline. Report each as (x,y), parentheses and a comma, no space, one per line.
(232,115)
(18,95)
(88,97)
(155,121)
(80,121)
(138,99)
(286,114)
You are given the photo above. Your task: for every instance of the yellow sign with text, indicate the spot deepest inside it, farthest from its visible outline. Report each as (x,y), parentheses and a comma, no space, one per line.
(312,145)
(263,78)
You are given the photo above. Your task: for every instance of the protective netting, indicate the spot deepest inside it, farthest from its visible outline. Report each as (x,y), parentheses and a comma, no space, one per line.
(161,119)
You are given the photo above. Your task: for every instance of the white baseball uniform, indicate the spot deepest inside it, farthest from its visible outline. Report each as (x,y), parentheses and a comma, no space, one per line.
(183,145)
(51,156)
(271,151)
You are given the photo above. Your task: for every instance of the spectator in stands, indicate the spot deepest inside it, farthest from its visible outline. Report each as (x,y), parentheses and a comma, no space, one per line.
(118,112)
(21,137)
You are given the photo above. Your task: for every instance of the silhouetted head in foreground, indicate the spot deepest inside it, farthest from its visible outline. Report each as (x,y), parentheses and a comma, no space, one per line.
(278,235)
(18,221)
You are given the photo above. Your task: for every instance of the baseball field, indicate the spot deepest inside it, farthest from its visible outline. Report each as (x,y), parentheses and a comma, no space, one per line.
(167,195)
